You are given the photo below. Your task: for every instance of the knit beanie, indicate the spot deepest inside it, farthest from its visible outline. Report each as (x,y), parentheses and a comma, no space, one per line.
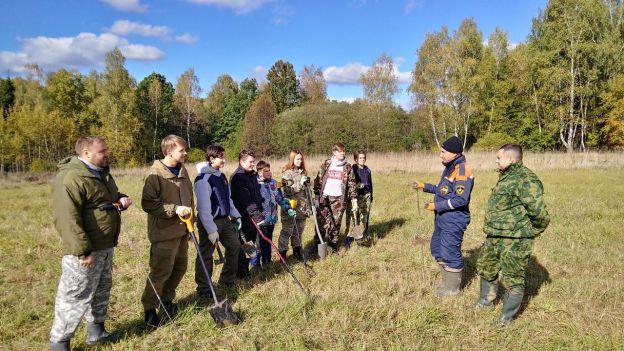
(453,144)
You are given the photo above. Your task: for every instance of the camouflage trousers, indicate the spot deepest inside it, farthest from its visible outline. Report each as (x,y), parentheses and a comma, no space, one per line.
(168,262)
(364,204)
(82,292)
(507,257)
(289,233)
(329,217)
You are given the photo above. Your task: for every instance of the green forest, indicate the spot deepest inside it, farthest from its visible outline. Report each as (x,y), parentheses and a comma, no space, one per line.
(560,89)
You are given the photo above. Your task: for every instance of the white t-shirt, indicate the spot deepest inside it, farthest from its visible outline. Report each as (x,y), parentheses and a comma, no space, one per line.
(333,185)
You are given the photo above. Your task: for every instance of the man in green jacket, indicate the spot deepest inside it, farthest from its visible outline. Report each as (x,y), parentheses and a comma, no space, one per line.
(515,216)
(167,194)
(86,207)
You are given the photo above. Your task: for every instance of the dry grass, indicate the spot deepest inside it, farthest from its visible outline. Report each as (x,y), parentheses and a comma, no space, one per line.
(377,298)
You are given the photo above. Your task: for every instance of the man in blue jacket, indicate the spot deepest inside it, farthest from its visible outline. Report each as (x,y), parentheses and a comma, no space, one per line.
(452,213)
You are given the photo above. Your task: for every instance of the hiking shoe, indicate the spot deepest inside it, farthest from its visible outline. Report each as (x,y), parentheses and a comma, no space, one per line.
(152,319)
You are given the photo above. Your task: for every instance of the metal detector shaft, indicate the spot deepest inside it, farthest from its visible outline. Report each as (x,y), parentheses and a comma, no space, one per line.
(418,201)
(305,291)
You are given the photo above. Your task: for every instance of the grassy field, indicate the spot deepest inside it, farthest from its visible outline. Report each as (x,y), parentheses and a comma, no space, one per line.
(378,297)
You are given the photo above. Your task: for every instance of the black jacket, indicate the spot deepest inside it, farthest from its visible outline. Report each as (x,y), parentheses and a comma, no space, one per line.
(246,197)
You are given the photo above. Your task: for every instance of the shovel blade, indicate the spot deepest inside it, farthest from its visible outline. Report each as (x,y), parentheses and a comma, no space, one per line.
(358,232)
(250,249)
(322,250)
(223,314)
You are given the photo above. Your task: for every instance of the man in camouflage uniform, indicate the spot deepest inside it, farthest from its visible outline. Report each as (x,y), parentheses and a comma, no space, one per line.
(86,204)
(333,185)
(516,214)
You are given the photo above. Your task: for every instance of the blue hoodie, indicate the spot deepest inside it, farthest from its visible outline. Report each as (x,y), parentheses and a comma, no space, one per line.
(214,200)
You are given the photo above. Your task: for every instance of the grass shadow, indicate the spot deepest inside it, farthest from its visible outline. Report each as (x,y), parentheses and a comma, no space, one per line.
(379,230)
(470,266)
(536,276)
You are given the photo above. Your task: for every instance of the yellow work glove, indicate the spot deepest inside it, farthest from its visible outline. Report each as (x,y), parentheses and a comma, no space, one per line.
(430,206)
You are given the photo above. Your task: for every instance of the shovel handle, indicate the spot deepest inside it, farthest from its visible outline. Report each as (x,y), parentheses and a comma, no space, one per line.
(188,220)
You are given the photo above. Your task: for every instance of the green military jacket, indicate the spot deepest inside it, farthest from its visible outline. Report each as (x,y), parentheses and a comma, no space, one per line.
(162,193)
(77,196)
(294,190)
(516,207)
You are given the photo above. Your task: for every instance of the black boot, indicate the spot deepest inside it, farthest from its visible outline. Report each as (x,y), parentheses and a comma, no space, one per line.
(487,294)
(347,241)
(450,284)
(511,305)
(298,253)
(97,333)
(151,318)
(59,345)
(283,253)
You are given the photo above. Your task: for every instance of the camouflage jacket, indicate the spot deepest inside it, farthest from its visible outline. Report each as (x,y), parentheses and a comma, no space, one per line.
(516,207)
(293,190)
(348,182)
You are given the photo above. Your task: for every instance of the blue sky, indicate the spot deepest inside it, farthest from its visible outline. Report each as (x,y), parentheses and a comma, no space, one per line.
(242,38)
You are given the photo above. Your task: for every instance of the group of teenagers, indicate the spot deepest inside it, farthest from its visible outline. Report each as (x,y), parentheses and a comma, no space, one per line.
(241,212)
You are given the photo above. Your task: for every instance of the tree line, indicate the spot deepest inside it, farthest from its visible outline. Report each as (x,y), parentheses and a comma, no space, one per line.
(563,88)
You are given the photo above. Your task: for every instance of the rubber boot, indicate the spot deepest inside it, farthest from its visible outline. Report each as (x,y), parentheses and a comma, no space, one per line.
(334,247)
(298,253)
(511,305)
(487,294)
(450,284)
(59,346)
(97,333)
(152,319)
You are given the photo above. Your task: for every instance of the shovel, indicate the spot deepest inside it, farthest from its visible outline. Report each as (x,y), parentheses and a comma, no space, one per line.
(221,311)
(221,259)
(249,248)
(322,247)
(283,259)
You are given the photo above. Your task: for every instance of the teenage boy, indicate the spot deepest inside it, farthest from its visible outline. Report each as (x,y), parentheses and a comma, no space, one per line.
(364,186)
(167,194)
(271,197)
(217,220)
(248,201)
(333,186)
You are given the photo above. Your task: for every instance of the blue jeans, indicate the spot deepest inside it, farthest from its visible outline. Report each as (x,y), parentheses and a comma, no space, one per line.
(265,247)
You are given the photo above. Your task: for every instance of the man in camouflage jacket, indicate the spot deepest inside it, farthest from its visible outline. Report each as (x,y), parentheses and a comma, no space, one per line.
(516,214)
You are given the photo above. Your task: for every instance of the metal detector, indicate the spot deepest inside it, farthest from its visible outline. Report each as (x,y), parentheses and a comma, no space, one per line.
(283,259)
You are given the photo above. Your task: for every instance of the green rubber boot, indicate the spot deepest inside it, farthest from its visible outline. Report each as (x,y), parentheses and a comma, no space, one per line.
(487,294)
(511,305)
(450,284)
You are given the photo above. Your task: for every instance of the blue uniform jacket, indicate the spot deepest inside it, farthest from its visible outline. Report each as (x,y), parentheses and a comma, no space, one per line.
(452,194)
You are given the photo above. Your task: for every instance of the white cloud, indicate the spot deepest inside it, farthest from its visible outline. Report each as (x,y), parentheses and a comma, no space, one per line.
(239,6)
(350,73)
(411,5)
(127,5)
(84,50)
(259,73)
(125,28)
(345,75)
(349,99)
(186,38)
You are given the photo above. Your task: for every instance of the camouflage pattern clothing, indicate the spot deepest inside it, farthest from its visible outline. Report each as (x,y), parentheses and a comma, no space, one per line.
(364,205)
(293,190)
(515,215)
(331,208)
(82,292)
